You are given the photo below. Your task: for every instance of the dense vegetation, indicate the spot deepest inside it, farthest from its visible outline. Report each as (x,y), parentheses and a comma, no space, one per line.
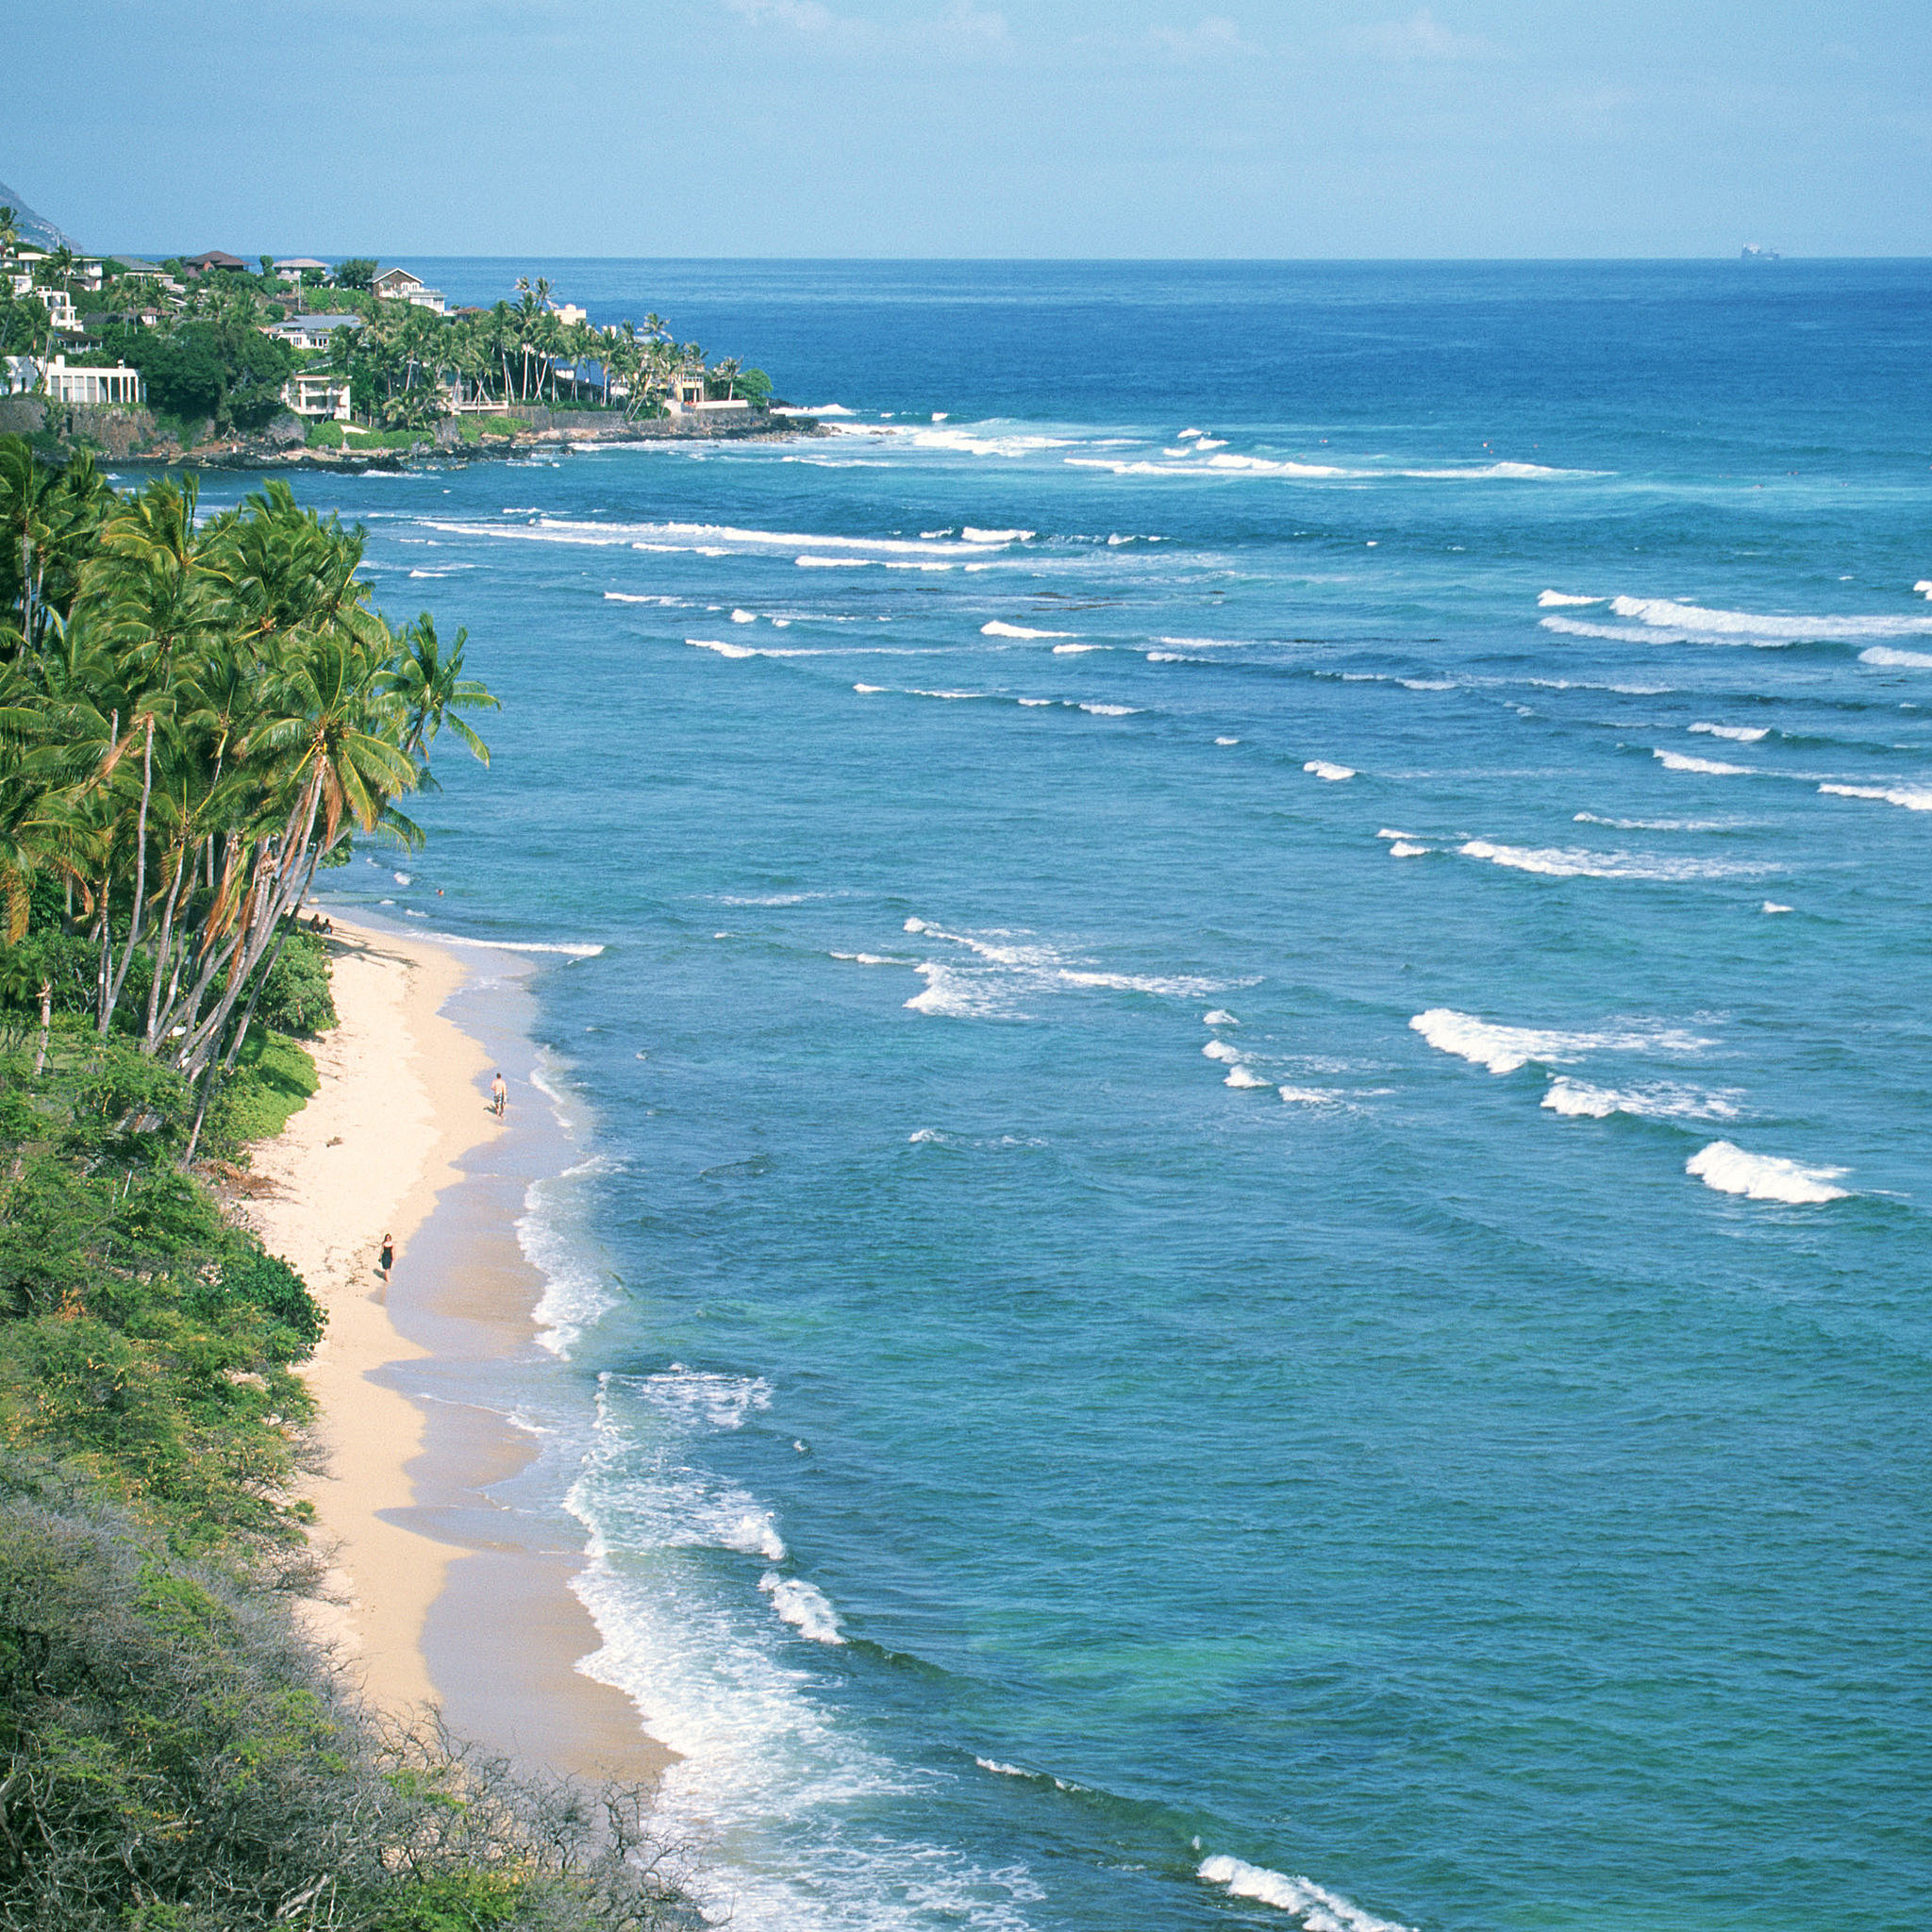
(194,715)
(204,358)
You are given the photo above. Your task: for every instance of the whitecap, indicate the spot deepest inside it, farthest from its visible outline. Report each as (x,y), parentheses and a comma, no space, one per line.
(1763,1177)
(1896,660)
(1246,1078)
(803,1606)
(1679,761)
(1772,906)
(998,629)
(1551,599)
(1228,740)
(970,535)
(569,949)
(833,562)
(632,597)
(1223,1050)
(1661,1101)
(1075,650)
(1503,1049)
(1915,798)
(1560,863)
(1111,711)
(1315,1906)
(1308,1097)
(1405,848)
(745,617)
(723,650)
(1738,734)
(868,690)
(1219,1017)
(1333,773)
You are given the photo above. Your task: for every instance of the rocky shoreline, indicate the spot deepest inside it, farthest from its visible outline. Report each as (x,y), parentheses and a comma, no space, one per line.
(128,437)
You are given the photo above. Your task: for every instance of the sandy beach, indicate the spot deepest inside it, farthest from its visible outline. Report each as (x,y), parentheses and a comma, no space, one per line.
(439,1592)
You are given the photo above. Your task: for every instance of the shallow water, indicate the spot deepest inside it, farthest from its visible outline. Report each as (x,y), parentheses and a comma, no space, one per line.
(1227,1268)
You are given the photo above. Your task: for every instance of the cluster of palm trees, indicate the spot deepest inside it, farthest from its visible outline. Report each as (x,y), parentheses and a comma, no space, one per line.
(195,713)
(517,352)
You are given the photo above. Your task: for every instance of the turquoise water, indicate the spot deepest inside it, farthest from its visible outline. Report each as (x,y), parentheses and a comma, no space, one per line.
(1252,1241)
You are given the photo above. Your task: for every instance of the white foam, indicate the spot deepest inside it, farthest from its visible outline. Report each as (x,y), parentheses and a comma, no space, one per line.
(1772,906)
(1738,734)
(997,629)
(1075,650)
(723,650)
(569,949)
(1246,1077)
(1680,762)
(576,1289)
(1318,1909)
(971,536)
(1763,1177)
(1550,600)
(1111,711)
(1224,1051)
(745,617)
(1662,1101)
(803,1606)
(1228,740)
(1590,817)
(1911,798)
(1170,986)
(834,562)
(868,690)
(1308,1097)
(1219,1017)
(632,597)
(1661,620)
(871,960)
(1559,863)
(1206,643)
(1333,773)
(915,925)
(1503,1049)
(1406,848)
(1896,660)
(999,1770)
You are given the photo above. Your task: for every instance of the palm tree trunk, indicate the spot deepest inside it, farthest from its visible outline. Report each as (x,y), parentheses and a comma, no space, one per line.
(110,998)
(46,1025)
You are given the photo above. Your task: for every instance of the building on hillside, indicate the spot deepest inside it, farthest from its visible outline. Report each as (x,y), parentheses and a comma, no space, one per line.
(318,394)
(133,265)
(569,313)
(64,385)
(60,310)
(18,376)
(399,285)
(310,333)
(215,258)
(296,266)
(687,395)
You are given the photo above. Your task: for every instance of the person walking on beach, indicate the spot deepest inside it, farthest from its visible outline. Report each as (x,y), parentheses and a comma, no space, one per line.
(499,1096)
(389,1257)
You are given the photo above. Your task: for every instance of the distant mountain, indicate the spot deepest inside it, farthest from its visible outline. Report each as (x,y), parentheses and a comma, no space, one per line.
(34,228)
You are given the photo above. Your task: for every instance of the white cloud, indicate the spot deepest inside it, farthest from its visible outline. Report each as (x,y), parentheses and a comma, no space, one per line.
(958,27)
(1215,37)
(1421,37)
(803,16)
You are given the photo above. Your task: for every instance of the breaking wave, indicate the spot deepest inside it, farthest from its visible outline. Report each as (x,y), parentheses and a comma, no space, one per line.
(1503,1049)
(1763,1177)
(1318,1909)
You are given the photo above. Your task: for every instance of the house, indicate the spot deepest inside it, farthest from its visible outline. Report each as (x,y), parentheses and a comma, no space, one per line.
(65,385)
(295,266)
(310,333)
(19,374)
(133,265)
(60,310)
(687,395)
(214,259)
(569,313)
(318,395)
(399,285)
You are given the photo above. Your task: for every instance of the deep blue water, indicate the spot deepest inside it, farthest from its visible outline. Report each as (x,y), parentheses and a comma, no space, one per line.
(1136,1257)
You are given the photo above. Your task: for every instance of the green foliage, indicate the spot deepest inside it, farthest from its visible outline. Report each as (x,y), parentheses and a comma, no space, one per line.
(326,435)
(295,998)
(273,1078)
(755,386)
(357,272)
(499,426)
(221,366)
(178,1760)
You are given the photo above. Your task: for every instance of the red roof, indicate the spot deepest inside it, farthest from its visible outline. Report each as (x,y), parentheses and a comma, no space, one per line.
(215,258)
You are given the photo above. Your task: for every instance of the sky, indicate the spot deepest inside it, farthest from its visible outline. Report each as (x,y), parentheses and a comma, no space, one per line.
(1057,128)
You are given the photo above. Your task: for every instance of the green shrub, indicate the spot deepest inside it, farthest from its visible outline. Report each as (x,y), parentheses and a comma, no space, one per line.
(326,435)
(295,998)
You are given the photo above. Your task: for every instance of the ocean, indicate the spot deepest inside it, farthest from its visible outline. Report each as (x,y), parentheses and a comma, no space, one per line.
(1244,1009)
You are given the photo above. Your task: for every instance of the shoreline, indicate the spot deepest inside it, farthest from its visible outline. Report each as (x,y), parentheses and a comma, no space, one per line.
(441,1591)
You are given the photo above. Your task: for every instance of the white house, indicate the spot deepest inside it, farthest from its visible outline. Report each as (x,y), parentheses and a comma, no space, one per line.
(296,266)
(569,313)
(321,395)
(687,396)
(64,385)
(310,333)
(399,285)
(19,374)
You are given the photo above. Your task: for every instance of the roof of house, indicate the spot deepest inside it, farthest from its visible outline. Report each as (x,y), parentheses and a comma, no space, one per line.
(215,258)
(398,274)
(300,261)
(134,265)
(308,324)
